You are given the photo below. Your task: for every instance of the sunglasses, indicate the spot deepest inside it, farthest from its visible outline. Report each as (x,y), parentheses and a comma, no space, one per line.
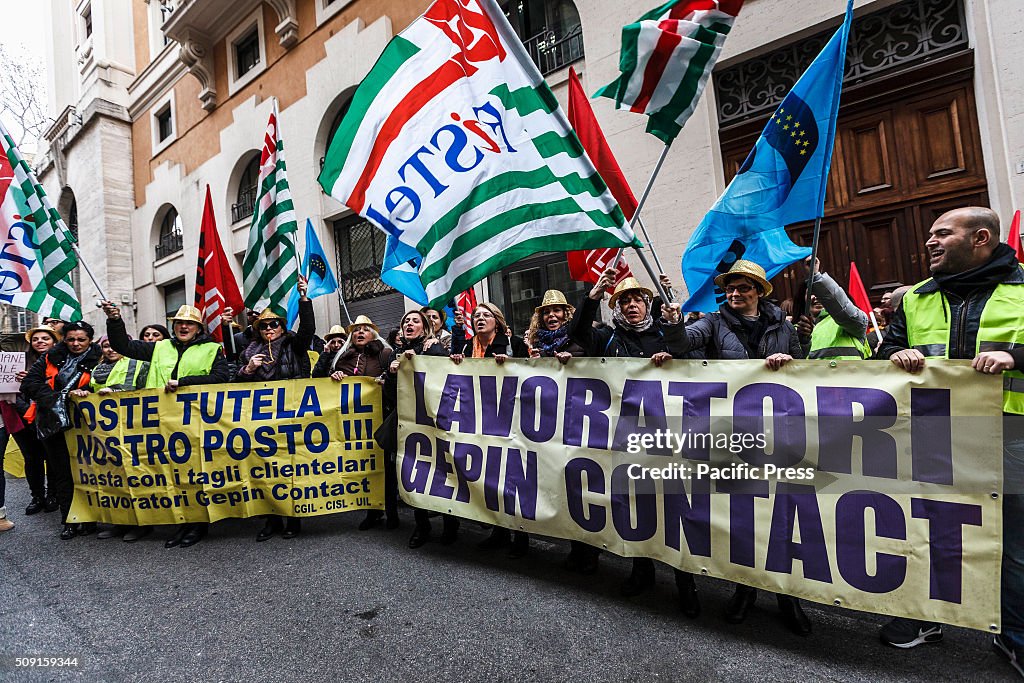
(742,289)
(270,325)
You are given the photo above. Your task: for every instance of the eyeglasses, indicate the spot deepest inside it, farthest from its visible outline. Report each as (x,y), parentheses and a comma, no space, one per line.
(741,289)
(270,325)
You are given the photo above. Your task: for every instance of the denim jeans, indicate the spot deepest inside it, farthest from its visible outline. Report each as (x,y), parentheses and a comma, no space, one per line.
(1013,531)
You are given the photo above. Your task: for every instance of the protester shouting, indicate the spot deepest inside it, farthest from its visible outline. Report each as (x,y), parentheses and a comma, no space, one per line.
(636,334)
(415,338)
(491,338)
(972,308)
(62,372)
(189,357)
(277,353)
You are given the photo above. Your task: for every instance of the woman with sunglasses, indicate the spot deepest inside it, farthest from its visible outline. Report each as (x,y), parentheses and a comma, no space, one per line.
(749,326)
(491,339)
(277,353)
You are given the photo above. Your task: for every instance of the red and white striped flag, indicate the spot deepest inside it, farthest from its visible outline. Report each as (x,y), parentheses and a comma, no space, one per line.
(215,283)
(466,302)
(666,58)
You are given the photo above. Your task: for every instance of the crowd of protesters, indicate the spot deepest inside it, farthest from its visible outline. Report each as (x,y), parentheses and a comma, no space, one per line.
(976,281)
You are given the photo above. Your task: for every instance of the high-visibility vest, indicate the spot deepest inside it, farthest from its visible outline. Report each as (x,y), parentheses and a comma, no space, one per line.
(1001,329)
(829,341)
(119,373)
(196,360)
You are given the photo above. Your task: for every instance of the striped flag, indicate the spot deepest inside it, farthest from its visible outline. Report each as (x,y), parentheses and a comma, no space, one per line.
(666,58)
(455,146)
(215,283)
(38,259)
(269,269)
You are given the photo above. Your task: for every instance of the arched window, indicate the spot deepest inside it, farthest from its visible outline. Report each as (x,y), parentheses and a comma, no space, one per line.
(550,30)
(247,188)
(335,125)
(170,234)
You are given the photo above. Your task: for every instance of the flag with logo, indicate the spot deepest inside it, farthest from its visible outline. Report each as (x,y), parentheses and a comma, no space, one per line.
(666,58)
(216,288)
(455,146)
(269,270)
(38,259)
(782,181)
(587,266)
(319,276)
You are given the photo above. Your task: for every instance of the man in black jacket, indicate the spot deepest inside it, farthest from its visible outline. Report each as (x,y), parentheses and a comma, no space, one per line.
(972,308)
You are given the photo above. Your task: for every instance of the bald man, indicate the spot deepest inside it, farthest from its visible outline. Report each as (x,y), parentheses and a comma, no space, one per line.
(972,308)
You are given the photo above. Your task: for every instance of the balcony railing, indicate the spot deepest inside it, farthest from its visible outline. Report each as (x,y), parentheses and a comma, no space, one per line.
(551,53)
(168,244)
(245,206)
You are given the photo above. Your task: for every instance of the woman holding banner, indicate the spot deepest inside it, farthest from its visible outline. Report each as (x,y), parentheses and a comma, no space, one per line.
(636,334)
(491,339)
(187,358)
(277,353)
(749,326)
(62,372)
(416,337)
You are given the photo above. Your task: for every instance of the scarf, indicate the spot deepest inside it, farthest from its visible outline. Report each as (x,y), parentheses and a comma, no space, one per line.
(1002,264)
(548,342)
(67,371)
(273,352)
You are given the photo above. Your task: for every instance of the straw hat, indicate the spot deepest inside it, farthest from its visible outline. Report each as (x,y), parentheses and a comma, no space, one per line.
(363,320)
(43,328)
(554,297)
(626,285)
(749,270)
(336,331)
(268,314)
(188,314)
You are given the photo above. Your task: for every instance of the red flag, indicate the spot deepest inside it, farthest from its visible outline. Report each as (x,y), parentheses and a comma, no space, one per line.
(215,283)
(466,302)
(858,294)
(1014,238)
(587,266)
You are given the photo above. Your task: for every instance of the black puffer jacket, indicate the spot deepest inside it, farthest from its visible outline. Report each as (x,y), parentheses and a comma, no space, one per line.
(53,416)
(620,342)
(721,335)
(294,361)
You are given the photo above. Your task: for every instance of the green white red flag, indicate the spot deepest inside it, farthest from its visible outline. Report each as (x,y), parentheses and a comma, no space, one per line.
(455,146)
(666,58)
(270,269)
(38,259)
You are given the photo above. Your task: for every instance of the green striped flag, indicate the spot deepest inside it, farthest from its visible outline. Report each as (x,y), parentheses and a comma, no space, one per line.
(666,58)
(455,146)
(37,262)
(269,269)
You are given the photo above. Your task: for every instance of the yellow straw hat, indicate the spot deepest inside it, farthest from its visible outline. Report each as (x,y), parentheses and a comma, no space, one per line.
(189,314)
(363,320)
(554,297)
(336,331)
(626,285)
(749,270)
(269,314)
(43,328)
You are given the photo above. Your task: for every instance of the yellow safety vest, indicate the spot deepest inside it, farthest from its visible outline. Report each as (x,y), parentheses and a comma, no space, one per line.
(829,341)
(196,360)
(119,373)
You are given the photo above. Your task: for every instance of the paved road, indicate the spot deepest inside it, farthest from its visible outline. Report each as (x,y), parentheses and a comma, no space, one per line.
(337,604)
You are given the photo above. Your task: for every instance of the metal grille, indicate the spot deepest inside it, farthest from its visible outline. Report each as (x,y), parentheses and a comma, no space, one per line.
(551,54)
(360,255)
(909,32)
(245,205)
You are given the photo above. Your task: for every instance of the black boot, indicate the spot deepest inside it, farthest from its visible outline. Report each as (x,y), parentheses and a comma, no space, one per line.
(371,519)
(68,532)
(640,579)
(292,527)
(740,603)
(499,537)
(272,526)
(179,533)
(689,603)
(51,504)
(793,615)
(420,535)
(35,506)
(451,529)
(196,533)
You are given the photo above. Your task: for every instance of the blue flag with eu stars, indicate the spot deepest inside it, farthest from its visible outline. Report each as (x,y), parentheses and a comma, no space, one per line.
(318,272)
(782,181)
(401,270)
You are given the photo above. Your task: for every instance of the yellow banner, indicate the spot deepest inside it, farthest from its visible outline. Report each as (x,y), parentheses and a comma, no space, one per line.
(297,448)
(849,483)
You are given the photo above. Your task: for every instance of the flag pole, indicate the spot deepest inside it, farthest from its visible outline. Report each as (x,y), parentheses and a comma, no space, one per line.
(344,306)
(647,238)
(636,217)
(814,256)
(74,247)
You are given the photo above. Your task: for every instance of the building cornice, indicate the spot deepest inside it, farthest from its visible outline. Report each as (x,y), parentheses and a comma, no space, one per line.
(155,80)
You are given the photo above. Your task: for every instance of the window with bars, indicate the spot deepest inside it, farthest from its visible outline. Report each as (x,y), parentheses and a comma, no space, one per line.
(360,247)
(549,29)
(247,187)
(170,234)
(247,52)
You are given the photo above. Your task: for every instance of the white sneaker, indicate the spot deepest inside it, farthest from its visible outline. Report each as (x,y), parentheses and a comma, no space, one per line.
(1011,655)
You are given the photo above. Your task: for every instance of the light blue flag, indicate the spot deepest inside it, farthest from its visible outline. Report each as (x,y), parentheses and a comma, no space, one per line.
(316,268)
(401,270)
(782,181)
